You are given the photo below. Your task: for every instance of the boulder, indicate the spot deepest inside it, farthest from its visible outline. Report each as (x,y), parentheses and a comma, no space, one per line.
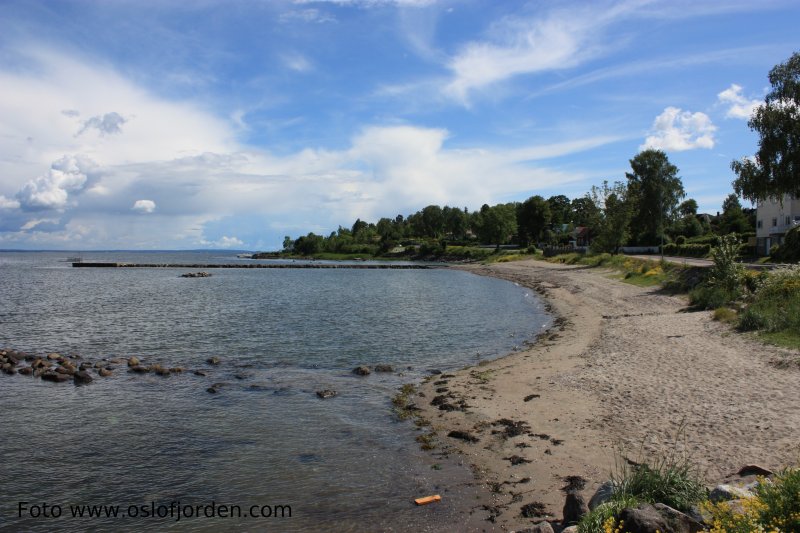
(213,360)
(160,370)
(104,372)
(140,369)
(570,529)
(644,519)
(754,470)
(10,370)
(100,364)
(176,369)
(133,361)
(25,370)
(574,508)
(54,356)
(200,373)
(81,377)
(55,377)
(678,521)
(542,527)
(361,371)
(384,368)
(326,393)
(601,495)
(722,493)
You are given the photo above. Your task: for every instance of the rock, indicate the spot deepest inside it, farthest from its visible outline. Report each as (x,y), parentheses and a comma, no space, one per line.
(678,521)
(55,377)
(200,373)
(213,360)
(160,370)
(602,494)
(434,372)
(133,361)
(5,366)
(361,371)
(81,377)
(754,470)
(53,356)
(212,390)
(196,275)
(570,529)
(574,508)
(84,366)
(65,370)
(384,368)
(176,369)
(463,435)
(140,369)
(10,370)
(99,364)
(728,492)
(117,360)
(25,370)
(542,527)
(12,358)
(37,363)
(326,393)
(104,372)
(644,519)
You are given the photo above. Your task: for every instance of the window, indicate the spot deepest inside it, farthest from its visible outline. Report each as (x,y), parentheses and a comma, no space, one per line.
(774,222)
(758,224)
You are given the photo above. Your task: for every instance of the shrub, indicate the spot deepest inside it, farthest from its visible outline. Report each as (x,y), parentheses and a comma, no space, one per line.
(670,480)
(775,506)
(706,296)
(725,314)
(680,239)
(726,272)
(596,520)
(776,302)
(789,251)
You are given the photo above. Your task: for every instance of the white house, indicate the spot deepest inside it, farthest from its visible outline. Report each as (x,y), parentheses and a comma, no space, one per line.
(773,219)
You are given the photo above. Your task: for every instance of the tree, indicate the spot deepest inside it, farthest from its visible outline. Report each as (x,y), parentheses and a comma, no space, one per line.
(433,221)
(688,208)
(455,222)
(733,219)
(560,209)
(533,217)
(614,228)
(776,168)
(654,190)
(585,212)
(496,224)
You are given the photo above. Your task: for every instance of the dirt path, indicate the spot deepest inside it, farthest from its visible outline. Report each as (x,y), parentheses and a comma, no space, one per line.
(625,368)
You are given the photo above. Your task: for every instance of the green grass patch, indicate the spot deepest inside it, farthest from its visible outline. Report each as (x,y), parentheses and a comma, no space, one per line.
(726,315)
(785,339)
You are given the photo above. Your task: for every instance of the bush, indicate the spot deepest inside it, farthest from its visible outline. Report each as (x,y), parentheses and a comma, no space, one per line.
(789,251)
(711,240)
(727,272)
(706,296)
(687,250)
(775,506)
(776,302)
(725,314)
(680,239)
(670,480)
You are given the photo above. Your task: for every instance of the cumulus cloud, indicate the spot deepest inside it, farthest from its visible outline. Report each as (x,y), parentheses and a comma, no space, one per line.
(223,242)
(107,124)
(68,175)
(739,106)
(678,130)
(144,206)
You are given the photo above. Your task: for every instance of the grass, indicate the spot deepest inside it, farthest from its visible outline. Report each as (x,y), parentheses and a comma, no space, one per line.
(639,272)
(726,315)
(785,339)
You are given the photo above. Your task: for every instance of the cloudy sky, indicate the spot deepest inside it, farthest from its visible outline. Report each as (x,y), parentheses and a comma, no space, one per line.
(229,124)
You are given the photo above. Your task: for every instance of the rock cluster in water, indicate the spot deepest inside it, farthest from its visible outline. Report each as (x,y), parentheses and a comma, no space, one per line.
(196,275)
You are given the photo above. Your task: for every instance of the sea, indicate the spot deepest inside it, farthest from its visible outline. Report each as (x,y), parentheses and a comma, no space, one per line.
(142,452)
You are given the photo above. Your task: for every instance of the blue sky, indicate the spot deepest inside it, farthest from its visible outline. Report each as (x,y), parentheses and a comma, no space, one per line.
(229,124)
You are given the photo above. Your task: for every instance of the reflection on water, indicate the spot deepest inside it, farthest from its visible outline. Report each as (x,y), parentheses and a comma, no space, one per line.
(264,438)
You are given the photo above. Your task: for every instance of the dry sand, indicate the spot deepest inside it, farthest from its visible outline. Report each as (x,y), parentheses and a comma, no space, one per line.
(625,368)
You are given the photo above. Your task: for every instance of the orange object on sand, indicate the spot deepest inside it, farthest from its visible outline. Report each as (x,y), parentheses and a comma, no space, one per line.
(428,499)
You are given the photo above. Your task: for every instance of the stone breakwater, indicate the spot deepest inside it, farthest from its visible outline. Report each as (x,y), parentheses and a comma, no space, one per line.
(360,266)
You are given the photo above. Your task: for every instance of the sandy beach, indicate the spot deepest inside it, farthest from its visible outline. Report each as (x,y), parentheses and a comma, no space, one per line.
(624,371)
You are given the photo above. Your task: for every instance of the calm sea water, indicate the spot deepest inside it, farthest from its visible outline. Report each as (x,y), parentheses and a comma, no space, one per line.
(265,439)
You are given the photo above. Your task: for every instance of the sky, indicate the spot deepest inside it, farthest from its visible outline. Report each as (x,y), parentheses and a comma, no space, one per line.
(140,124)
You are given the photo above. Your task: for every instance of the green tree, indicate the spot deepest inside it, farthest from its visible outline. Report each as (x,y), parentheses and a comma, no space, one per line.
(585,212)
(288,244)
(533,217)
(776,168)
(688,208)
(496,224)
(613,231)
(560,209)
(433,221)
(733,219)
(654,190)
(455,222)
(309,244)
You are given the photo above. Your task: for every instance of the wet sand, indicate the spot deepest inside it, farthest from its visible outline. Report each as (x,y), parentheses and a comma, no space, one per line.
(625,372)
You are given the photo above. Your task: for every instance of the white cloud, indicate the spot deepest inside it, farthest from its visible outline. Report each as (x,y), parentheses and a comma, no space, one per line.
(560,40)
(677,130)
(144,206)
(306,15)
(7,203)
(223,242)
(740,106)
(52,190)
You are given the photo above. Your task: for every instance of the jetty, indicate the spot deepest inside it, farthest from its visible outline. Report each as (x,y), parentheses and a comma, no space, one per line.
(361,266)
